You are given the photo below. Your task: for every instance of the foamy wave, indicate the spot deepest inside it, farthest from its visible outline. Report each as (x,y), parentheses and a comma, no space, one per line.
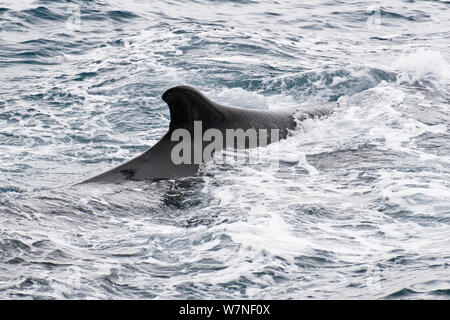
(422,65)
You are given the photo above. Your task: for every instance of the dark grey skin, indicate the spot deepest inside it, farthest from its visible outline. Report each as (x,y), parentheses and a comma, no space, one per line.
(187,105)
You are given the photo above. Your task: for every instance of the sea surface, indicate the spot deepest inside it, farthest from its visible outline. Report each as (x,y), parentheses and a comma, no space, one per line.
(358,206)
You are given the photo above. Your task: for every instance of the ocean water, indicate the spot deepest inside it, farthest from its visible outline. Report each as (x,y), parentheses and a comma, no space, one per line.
(358,207)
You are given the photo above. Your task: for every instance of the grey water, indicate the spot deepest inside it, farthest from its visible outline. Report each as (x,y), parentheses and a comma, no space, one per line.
(358,207)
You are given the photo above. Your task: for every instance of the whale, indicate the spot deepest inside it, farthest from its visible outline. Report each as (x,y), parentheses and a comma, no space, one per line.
(192,112)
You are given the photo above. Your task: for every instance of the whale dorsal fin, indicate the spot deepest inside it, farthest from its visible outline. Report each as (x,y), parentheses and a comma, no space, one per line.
(186,105)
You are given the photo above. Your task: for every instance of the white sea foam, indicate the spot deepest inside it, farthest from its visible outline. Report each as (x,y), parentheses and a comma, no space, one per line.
(356,206)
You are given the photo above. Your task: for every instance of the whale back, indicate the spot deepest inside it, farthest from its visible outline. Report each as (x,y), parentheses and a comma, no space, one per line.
(186,105)
(189,107)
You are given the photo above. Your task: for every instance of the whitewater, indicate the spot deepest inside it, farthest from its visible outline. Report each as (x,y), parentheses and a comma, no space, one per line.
(358,206)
